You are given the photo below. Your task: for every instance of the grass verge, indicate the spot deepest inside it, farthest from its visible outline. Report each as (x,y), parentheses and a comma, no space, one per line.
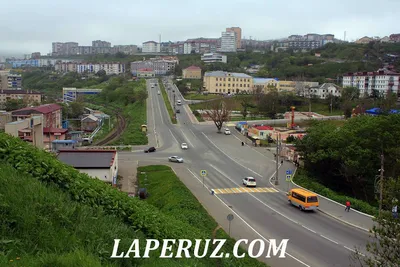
(303,179)
(167,102)
(194,96)
(135,115)
(171,196)
(41,226)
(197,115)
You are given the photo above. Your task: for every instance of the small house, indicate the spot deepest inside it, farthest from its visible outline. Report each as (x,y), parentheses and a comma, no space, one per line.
(89,123)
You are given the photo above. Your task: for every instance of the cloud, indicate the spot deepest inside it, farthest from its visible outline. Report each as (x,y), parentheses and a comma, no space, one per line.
(36,24)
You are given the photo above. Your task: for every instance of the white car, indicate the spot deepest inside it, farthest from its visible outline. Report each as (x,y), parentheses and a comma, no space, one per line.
(158,92)
(249,181)
(184,146)
(227,131)
(175,159)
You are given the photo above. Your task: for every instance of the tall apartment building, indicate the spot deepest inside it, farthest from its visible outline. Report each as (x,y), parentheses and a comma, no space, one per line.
(221,82)
(10,81)
(109,68)
(238,32)
(159,66)
(64,49)
(381,81)
(99,43)
(126,49)
(306,42)
(228,42)
(151,47)
(200,46)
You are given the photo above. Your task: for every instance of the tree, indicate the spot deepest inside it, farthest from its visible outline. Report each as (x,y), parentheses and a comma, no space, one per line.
(350,94)
(101,73)
(246,104)
(219,111)
(76,109)
(385,246)
(14,104)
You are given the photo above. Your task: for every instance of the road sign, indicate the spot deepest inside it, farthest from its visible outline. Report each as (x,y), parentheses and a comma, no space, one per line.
(288,172)
(230,217)
(288,177)
(203,172)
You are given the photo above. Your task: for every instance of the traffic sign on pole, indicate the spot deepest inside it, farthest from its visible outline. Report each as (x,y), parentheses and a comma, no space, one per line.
(203,172)
(288,172)
(288,177)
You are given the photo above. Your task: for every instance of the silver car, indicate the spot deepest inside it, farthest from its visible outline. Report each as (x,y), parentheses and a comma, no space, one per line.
(175,159)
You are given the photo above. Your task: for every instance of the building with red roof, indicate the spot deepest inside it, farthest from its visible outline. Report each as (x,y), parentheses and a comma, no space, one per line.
(52,124)
(192,72)
(261,131)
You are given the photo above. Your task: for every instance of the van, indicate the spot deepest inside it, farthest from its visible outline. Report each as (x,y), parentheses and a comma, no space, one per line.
(304,200)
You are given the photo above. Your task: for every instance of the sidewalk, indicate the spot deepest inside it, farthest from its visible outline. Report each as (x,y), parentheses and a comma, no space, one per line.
(329,207)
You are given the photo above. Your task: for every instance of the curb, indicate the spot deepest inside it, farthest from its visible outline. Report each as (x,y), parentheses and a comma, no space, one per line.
(362,213)
(343,221)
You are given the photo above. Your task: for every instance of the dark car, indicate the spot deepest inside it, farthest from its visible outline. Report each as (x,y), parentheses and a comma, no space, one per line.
(150,149)
(178,111)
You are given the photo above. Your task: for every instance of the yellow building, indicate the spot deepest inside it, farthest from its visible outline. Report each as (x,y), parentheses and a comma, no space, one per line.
(264,85)
(192,72)
(287,86)
(220,82)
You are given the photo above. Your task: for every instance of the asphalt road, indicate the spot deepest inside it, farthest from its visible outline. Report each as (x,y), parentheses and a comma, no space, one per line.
(314,239)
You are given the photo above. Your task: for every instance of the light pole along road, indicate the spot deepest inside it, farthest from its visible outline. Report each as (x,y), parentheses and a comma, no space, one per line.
(314,239)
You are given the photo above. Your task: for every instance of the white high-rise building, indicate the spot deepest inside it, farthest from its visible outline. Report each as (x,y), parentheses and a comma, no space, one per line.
(228,42)
(151,47)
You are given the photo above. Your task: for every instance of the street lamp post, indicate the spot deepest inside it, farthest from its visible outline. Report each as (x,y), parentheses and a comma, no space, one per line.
(277,159)
(381,184)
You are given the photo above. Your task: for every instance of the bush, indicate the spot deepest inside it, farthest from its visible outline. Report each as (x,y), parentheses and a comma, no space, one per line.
(303,179)
(139,215)
(172,197)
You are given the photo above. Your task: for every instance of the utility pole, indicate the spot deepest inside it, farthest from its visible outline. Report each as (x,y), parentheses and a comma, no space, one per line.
(277,159)
(381,184)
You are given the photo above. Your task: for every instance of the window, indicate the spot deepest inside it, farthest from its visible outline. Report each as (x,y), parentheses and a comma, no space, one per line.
(216,84)
(299,197)
(229,79)
(312,199)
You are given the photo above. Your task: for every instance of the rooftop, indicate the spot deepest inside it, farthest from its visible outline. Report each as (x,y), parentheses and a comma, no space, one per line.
(19,92)
(226,74)
(193,68)
(87,159)
(44,109)
(263,80)
(54,130)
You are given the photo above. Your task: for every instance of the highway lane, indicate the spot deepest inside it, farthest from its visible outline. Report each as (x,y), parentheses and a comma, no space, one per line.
(320,223)
(223,172)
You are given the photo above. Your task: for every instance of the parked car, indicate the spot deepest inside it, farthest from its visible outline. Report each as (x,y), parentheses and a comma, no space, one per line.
(150,149)
(249,181)
(184,146)
(175,159)
(227,131)
(158,92)
(178,111)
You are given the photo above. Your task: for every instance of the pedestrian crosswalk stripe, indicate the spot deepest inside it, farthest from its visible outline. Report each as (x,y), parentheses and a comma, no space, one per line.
(245,190)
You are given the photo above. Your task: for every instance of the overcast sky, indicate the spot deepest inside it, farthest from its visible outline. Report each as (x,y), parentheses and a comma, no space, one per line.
(28,26)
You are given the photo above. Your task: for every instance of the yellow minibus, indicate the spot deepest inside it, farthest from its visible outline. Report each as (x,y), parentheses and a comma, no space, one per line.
(303,199)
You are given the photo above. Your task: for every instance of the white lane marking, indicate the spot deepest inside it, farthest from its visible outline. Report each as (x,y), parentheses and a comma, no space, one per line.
(352,250)
(329,239)
(296,259)
(309,229)
(173,136)
(230,157)
(296,222)
(184,135)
